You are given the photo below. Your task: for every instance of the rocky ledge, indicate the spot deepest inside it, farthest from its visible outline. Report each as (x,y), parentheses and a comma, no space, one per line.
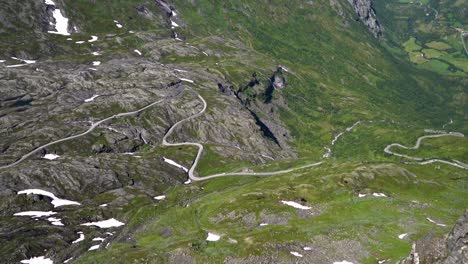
(451,248)
(367,14)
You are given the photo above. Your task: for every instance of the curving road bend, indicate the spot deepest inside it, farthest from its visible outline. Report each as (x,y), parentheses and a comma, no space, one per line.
(191,171)
(422,161)
(93,126)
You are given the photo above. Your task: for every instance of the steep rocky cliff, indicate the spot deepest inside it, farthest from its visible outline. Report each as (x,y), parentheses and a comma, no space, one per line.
(367,14)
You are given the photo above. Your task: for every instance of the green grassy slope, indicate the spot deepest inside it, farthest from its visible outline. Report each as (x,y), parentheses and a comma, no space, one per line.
(337,75)
(437,26)
(235,208)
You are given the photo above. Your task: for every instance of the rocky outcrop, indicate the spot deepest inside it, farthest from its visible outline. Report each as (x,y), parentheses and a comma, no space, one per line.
(257,98)
(225,88)
(367,14)
(173,20)
(100,167)
(277,81)
(164,6)
(449,249)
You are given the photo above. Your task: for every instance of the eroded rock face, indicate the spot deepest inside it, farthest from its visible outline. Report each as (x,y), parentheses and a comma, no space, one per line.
(257,98)
(449,249)
(101,167)
(277,80)
(366,13)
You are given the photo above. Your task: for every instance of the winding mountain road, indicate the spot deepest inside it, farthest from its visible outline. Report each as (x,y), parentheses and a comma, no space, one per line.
(93,126)
(422,161)
(191,171)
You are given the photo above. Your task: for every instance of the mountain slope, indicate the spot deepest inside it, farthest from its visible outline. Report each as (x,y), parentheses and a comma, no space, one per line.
(287,84)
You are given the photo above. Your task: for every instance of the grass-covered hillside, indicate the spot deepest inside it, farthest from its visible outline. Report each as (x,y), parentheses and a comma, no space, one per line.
(287,84)
(433,33)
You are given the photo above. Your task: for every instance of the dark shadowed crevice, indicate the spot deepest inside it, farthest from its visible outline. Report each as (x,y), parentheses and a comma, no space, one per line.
(265,130)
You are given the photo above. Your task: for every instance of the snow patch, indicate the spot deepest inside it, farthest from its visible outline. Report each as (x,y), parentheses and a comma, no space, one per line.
(55,221)
(212,237)
(91,98)
(179,70)
(105,224)
(35,214)
(25,61)
(175,164)
(379,194)
(402,236)
(93,39)
(284,68)
(95,247)
(55,200)
(117,24)
(263,224)
(80,42)
(37,260)
(98,239)
(137,52)
(307,248)
(96,53)
(361,195)
(16,65)
(160,197)
(2,61)
(61,22)
(434,222)
(79,239)
(103,205)
(51,156)
(294,253)
(174,24)
(186,80)
(296,205)
(68,260)
(96,63)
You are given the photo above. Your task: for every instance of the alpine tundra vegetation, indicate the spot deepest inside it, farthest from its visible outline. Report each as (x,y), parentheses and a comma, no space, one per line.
(209,131)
